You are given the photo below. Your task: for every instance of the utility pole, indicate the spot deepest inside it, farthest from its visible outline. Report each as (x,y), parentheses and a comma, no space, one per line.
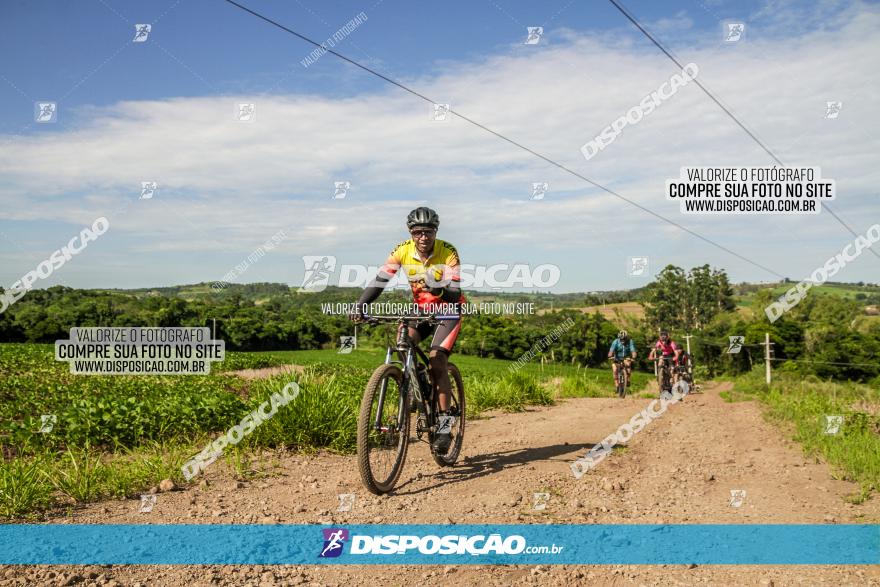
(688,338)
(355,335)
(767,353)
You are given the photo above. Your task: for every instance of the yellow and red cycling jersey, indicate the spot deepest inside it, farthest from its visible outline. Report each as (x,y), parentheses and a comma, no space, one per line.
(436,271)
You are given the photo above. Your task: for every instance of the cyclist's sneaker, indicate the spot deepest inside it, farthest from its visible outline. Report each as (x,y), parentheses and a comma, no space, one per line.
(443,436)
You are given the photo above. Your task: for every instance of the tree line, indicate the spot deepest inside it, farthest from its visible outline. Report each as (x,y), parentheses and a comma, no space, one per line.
(820,336)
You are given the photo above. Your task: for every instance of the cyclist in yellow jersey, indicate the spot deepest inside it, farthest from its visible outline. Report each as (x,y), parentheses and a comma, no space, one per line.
(432,268)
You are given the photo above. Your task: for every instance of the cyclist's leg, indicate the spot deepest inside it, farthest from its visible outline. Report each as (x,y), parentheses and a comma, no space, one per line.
(441,347)
(414,334)
(439,359)
(614,370)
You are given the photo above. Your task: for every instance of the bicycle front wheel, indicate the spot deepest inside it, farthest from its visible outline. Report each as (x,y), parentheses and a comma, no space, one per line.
(621,380)
(383,430)
(457,409)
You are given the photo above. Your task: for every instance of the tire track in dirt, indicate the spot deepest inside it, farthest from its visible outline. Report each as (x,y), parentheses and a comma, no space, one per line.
(679,469)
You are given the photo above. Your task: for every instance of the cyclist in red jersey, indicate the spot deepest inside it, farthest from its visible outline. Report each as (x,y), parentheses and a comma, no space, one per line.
(666,348)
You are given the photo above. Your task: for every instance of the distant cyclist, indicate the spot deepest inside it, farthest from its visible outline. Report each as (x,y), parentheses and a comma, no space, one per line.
(686,366)
(666,348)
(432,267)
(622,349)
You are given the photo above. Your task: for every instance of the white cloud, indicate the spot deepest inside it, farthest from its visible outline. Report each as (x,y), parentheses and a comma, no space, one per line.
(225,186)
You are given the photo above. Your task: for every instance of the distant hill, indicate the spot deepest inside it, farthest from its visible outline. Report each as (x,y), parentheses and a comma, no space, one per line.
(608,303)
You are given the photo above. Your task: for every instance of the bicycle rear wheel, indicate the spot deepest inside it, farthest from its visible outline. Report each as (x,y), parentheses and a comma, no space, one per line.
(457,409)
(621,380)
(663,378)
(383,429)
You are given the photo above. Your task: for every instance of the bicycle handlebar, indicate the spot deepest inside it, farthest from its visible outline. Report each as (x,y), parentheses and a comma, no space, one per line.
(416,318)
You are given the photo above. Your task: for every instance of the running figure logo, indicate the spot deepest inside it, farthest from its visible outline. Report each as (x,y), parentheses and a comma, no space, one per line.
(539,188)
(832,109)
(440,112)
(47,422)
(737,497)
(539,501)
(346,345)
(736,344)
(45,112)
(247,112)
(735,31)
(638,266)
(148,188)
(141,32)
(318,270)
(346,502)
(334,540)
(534,35)
(148,500)
(832,424)
(341,188)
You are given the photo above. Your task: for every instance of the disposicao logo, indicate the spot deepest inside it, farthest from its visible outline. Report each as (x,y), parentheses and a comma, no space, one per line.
(334,540)
(405,544)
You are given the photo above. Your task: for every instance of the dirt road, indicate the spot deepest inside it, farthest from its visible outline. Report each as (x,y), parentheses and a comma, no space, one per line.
(680,469)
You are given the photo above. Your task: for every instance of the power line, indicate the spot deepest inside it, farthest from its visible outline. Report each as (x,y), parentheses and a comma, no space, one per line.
(511,141)
(760,344)
(826,362)
(632,19)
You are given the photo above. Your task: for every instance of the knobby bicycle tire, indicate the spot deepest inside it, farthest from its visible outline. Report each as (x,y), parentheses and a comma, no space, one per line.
(365,427)
(452,454)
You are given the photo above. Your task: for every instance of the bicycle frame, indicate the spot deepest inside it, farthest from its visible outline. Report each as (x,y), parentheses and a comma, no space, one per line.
(407,362)
(621,366)
(408,352)
(665,368)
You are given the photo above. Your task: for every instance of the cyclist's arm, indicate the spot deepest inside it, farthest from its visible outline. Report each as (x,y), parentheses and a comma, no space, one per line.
(383,276)
(632,349)
(451,290)
(612,348)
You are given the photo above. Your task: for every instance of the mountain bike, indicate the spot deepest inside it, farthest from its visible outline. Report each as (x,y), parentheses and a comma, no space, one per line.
(685,372)
(621,379)
(396,388)
(664,372)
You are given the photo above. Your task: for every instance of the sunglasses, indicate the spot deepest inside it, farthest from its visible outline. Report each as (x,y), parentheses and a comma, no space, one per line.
(422,233)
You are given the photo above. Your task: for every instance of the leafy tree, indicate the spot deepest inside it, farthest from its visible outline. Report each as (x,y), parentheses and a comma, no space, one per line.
(666,300)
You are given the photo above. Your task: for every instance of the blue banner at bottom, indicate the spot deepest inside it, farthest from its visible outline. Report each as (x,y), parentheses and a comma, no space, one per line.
(418,544)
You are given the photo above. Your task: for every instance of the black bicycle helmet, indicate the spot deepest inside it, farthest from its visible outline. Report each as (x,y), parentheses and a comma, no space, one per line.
(422,217)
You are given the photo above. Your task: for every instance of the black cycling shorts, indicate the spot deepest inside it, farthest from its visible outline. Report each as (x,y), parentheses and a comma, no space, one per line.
(445,334)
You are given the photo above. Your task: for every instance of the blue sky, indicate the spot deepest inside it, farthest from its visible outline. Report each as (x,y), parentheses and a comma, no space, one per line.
(162,110)
(60,42)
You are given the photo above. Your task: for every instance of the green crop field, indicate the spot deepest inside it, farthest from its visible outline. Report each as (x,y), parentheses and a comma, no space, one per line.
(112,436)
(842,290)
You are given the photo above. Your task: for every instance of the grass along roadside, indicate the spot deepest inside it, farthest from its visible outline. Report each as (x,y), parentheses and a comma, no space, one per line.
(118,436)
(803,405)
